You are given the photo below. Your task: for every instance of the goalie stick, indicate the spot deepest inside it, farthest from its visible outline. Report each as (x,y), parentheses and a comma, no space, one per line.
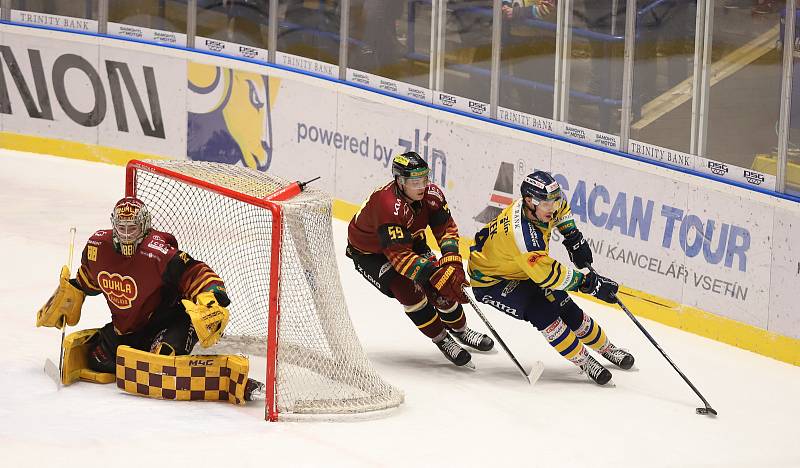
(707,409)
(50,369)
(538,367)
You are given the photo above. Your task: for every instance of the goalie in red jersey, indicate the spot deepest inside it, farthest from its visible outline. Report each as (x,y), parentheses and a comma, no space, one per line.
(162,300)
(386,241)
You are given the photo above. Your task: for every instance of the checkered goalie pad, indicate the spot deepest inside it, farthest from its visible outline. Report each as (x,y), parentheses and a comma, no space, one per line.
(195,377)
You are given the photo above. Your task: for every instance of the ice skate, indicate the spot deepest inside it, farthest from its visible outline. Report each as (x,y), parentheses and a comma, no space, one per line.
(474,339)
(596,371)
(620,357)
(455,353)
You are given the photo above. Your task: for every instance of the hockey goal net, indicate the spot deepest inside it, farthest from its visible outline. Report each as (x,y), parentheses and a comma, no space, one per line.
(278,262)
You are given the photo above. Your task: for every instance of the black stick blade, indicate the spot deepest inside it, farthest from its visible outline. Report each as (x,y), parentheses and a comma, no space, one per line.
(707,410)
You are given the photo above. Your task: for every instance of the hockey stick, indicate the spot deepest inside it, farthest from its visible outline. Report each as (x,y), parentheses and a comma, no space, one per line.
(707,409)
(538,367)
(49,366)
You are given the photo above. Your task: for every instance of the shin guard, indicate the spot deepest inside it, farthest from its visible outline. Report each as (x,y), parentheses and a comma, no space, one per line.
(425,317)
(195,377)
(565,342)
(454,317)
(592,335)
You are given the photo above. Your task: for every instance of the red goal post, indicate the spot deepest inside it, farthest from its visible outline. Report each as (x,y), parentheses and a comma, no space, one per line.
(277,260)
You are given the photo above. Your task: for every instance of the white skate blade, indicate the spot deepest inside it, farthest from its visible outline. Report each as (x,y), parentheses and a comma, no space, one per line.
(469,365)
(52,371)
(535,372)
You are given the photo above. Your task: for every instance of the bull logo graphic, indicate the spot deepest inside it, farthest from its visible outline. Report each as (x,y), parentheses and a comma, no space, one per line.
(119,290)
(229,117)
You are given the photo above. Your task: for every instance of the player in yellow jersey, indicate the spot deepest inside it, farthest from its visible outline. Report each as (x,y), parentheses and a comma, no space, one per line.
(510,268)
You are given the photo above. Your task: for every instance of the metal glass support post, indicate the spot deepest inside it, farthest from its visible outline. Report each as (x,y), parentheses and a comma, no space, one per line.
(437,44)
(102,17)
(440,43)
(433,56)
(344,37)
(272,40)
(701,84)
(697,68)
(563,55)
(558,59)
(627,73)
(497,34)
(5,10)
(191,22)
(614,14)
(786,94)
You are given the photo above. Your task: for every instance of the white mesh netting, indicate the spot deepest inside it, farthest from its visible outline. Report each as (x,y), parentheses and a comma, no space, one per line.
(321,367)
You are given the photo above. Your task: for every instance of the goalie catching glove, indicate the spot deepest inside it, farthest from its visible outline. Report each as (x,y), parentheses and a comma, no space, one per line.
(209,315)
(64,305)
(449,279)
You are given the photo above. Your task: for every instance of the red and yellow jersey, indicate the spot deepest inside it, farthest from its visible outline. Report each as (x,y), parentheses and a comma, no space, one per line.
(390,225)
(515,248)
(157,275)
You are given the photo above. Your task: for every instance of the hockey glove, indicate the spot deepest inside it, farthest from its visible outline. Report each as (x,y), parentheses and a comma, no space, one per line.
(449,279)
(209,316)
(600,287)
(64,304)
(578,249)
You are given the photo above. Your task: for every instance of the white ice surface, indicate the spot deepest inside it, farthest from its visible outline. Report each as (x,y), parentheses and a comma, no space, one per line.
(451,417)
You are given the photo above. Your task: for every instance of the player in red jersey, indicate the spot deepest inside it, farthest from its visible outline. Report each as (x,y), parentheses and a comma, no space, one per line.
(386,241)
(144,277)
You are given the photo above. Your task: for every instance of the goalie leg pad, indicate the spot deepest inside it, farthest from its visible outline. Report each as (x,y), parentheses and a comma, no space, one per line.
(77,347)
(64,304)
(196,377)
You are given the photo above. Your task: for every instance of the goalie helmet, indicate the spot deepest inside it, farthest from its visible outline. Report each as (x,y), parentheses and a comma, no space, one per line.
(130,222)
(409,165)
(541,186)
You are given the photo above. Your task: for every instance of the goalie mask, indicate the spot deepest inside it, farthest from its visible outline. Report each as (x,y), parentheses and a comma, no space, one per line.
(130,221)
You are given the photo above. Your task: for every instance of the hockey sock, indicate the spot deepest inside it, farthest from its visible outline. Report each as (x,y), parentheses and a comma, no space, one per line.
(565,342)
(592,335)
(454,318)
(425,318)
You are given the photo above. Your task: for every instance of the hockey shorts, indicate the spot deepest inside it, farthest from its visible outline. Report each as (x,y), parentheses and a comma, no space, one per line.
(524,300)
(377,269)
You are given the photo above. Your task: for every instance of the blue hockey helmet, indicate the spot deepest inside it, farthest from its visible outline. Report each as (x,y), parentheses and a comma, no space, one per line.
(541,186)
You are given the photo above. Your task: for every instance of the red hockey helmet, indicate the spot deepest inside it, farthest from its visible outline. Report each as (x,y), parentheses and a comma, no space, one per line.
(130,221)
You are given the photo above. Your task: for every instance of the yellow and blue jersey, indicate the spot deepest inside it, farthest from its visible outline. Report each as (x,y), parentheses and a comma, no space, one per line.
(512,247)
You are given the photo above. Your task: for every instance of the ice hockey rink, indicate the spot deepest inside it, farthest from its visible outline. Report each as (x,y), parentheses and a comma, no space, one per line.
(451,416)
